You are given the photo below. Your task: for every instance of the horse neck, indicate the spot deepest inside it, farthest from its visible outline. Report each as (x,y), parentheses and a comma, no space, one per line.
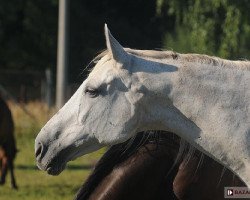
(141,161)
(208,106)
(102,169)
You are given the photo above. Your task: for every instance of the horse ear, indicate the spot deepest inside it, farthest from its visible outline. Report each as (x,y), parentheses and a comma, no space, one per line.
(115,49)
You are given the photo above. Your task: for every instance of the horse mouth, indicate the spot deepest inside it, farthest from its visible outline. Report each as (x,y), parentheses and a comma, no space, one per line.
(52,167)
(55,170)
(54,161)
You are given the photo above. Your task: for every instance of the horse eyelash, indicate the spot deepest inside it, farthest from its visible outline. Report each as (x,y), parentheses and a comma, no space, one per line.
(93,92)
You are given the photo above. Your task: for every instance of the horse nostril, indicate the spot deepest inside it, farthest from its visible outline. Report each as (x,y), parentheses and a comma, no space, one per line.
(39,150)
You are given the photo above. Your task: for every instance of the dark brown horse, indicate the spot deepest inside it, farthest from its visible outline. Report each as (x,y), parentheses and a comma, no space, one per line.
(7,143)
(153,167)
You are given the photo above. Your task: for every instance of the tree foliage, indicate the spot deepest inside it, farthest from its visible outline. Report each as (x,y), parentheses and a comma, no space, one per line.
(28,34)
(218,27)
(28,29)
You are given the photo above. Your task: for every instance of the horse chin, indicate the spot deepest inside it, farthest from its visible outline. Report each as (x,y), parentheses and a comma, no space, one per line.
(55,170)
(58,163)
(54,166)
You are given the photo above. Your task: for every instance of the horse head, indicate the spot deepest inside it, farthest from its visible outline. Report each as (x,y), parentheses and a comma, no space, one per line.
(103,111)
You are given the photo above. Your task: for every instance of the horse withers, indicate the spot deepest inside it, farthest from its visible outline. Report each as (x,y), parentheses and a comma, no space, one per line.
(7,144)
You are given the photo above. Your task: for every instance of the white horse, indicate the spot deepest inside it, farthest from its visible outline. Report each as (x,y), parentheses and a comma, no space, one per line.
(203,99)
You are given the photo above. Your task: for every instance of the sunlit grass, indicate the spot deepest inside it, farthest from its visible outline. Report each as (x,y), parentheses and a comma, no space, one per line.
(35,184)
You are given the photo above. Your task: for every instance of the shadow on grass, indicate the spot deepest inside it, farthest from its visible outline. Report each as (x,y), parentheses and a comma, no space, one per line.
(69,167)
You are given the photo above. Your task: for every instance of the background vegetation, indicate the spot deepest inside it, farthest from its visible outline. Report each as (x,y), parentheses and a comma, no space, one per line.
(216,27)
(35,184)
(28,29)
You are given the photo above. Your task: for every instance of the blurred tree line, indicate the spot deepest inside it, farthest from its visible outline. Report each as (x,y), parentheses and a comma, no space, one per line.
(217,27)
(28,29)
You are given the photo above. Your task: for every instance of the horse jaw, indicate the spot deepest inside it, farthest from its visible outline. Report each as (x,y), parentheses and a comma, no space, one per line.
(85,124)
(64,138)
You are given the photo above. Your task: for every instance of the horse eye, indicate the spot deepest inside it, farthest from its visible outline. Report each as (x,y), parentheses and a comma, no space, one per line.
(91,92)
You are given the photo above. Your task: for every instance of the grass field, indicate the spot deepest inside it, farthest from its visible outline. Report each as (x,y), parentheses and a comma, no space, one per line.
(35,184)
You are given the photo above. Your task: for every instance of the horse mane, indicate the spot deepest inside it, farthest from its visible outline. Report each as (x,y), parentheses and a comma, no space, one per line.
(186,58)
(114,156)
(190,58)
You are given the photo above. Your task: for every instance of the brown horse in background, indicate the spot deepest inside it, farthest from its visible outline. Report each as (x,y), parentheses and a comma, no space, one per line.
(152,166)
(7,144)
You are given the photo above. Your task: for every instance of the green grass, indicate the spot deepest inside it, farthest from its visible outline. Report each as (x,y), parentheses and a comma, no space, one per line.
(38,185)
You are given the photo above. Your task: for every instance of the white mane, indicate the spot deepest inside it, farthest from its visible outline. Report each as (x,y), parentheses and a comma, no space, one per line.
(189,58)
